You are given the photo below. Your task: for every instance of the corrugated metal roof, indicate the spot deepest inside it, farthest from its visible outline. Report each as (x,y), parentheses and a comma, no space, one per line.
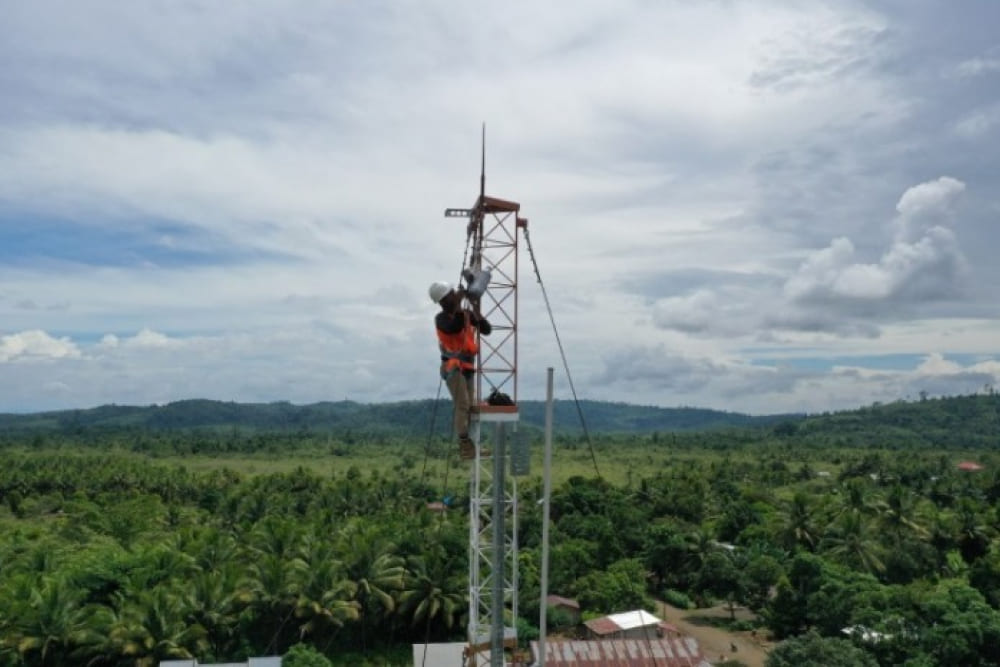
(439,655)
(268,661)
(634,619)
(677,652)
(602,626)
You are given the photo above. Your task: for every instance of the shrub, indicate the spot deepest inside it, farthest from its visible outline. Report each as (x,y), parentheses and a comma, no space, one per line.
(677,599)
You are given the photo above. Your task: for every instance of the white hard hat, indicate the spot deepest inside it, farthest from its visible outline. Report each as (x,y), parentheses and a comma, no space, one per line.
(438,290)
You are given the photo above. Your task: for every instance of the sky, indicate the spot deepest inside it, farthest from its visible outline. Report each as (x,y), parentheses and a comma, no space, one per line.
(762,207)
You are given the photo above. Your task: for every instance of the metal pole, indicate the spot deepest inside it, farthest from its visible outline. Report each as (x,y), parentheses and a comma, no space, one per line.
(499,539)
(546,495)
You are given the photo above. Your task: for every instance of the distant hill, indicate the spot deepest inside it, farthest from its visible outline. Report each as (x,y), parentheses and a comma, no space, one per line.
(953,422)
(960,422)
(395,418)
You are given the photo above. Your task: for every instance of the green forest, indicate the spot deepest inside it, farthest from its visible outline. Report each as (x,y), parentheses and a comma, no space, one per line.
(219,531)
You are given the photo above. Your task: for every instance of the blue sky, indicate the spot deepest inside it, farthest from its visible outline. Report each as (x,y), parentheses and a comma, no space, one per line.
(762,207)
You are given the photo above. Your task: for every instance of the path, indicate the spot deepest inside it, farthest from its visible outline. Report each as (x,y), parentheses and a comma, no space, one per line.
(716,642)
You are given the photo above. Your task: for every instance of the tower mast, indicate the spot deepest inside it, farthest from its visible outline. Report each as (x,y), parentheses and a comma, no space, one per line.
(493,230)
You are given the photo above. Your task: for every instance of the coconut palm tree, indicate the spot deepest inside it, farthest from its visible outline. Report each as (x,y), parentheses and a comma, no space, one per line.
(215,599)
(275,584)
(899,515)
(798,526)
(327,597)
(850,541)
(153,625)
(377,571)
(49,624)
(434,595)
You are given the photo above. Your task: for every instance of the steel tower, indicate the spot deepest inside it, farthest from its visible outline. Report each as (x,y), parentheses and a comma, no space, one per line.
(493,232)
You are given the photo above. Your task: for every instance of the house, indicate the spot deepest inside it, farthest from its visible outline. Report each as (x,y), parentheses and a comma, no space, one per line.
(866,635)
(273,661)
(638,624)
(568,605)
(654,652)
(970,466)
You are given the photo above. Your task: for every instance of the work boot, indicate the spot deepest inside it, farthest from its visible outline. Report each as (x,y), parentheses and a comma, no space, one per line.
(467,450)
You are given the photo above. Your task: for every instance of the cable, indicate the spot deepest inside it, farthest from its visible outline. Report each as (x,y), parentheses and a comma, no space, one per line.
(562,353)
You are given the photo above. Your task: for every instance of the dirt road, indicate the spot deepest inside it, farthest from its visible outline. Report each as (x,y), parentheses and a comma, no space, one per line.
(717,644)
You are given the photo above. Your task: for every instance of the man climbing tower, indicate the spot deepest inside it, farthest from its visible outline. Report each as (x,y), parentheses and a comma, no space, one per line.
(456,332)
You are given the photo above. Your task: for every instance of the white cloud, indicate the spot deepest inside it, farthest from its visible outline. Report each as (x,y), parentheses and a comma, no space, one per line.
(148,338)
(924,262)
(934,199)
(977,123)
(36,345)
(978,66)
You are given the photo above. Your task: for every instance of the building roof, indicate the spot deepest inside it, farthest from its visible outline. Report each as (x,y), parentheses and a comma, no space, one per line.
(560,600)
(865,634)
(969,465)
(450,653)
(677,652)
(628,620)
(270,661)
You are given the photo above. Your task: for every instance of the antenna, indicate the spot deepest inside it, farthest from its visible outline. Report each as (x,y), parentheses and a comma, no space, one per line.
(482,169)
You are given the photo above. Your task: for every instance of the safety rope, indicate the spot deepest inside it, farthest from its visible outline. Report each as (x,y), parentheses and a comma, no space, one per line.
(562,353)
(430,434)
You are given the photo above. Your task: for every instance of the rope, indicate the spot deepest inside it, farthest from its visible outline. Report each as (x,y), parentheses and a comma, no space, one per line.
(562,353)
(430,433)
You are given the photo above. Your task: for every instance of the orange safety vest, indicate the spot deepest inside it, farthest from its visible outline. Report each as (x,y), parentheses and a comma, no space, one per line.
(458,350)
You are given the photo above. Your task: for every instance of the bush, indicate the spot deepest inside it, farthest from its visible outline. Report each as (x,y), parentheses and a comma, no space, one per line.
(677,599)
(304,655)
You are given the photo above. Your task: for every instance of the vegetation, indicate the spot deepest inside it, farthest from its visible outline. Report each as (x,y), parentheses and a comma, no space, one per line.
(129,545)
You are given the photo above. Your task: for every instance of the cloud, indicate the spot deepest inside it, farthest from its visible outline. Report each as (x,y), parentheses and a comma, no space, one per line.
(832,289)
(147,339)
(656,369)
(977,123)
(36,345)
(924,262)
(978,66)
(929,202)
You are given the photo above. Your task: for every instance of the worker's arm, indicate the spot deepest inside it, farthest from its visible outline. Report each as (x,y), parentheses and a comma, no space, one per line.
(480,322)
(476,318)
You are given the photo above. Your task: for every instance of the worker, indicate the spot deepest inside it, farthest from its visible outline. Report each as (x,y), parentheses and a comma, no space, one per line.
(456,332)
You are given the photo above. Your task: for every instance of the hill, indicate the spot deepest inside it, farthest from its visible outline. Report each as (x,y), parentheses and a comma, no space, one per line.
(387,418)
(959,422)
(951,422)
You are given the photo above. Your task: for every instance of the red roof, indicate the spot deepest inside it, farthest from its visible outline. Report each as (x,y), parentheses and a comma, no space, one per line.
(677,652)
(969,465)
(603,626)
